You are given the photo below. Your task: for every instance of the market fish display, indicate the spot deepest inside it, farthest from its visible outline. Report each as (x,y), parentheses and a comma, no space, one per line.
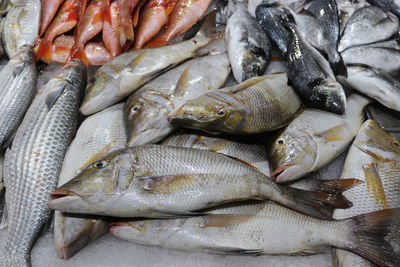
(33,164)
(98,135)
(124,74)
(373,158)
(267,231)
(164,181)
(147,110)
(257,105)
(313,139)
(21,26)
(248,46)
(17,89)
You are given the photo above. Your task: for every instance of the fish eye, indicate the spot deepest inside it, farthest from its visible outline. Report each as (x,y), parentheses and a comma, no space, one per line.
(136,108)
(280,142)
(100,164)
(291,155)
(221,112)
(396,144)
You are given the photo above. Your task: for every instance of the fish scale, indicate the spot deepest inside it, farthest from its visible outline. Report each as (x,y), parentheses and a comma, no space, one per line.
(33,164)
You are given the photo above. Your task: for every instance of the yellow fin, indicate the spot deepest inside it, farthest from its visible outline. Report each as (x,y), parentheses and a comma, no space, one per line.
(183,83)
(250,82)
(335,133)
(374,185)
(223,220)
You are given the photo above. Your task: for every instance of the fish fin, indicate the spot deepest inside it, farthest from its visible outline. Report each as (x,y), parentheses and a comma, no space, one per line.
(242,161)
(232,250)
(316,204)
(336,186)
(374,185)
(338,66)
(168,183)
(157,42)
(305,12)
(77,52)
(19,69)
(335,133)
(183,82)
(4,218)
(223,220)
(44,51)
(368,236)
(246,84)
(174,214)
(135,62)
(53,95)
(208,29)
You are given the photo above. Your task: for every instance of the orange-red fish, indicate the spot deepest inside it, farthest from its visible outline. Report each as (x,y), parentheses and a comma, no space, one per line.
(136,12)
(126,8)
(111,30)
(186,13)
(65,20)
(154,17)
(90,24)
(49,10)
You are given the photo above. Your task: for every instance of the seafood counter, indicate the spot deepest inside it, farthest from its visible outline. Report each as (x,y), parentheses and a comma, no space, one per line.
(164,132)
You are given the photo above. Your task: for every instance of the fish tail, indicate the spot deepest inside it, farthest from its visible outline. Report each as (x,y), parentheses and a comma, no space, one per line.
(336,186)
(338,66)
(77,52)
(44,50)
(207,32)
(157,42)
(368,236)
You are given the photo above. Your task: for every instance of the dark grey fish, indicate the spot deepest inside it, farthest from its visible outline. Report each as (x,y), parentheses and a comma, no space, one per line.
(391,5)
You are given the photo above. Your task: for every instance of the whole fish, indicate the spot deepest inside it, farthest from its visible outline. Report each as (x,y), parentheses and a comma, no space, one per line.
(313,139)
(254,154)
(248,46)
(33,164)
(308,70)
(374,55)
(390,5)
(21,26)
(147,110)
(185,14)
(126,8)
(165,181)
(368,25)
(124,74)
(65,20)
(347,9)
(374,158)
(49,10)
(264,229)
(17,89)
(112,29)
(375,84)
(257,105)
(98,135)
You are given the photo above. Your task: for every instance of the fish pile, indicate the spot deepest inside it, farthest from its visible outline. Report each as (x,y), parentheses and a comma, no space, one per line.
(216,142)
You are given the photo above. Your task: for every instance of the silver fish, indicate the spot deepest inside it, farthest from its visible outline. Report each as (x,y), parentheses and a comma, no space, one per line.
(346,10)
(368,25)
(21,26)
(33,164)
(1,173)
(17,89)
(390,5)
(98,135)
(374,158)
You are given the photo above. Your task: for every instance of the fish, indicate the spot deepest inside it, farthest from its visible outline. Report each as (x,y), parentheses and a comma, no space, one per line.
(258,105)
(185,14)
(126,8)
(264,229)
(376,84)
(65,20)
(17,89)
(1,37)
(49,10)
(254,154)
(95,52)
(146,111)
(347,9)
(368,25)
(379,57)
(126,73)
(248,46)
(154,16)
(374,158)
(33,164)
(98,135)
(21,26)
(5,5)
(1,173)
(159,181)
(308,71)
(89,25)
(390,5)
(112,29)
(313,139)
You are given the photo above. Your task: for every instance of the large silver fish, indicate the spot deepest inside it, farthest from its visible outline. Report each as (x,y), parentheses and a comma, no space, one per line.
(98,135)
(17,90)
(21,25)
(124,74)
(33,164)
(266,229)
(374,158)
(390,5)
(347,9)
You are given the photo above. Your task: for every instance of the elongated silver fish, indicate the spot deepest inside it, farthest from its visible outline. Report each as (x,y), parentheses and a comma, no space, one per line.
(17,89)
(21,25)
(33,164)
(147,110)
(124,74)
(266,229)
(374,158)
(98,135)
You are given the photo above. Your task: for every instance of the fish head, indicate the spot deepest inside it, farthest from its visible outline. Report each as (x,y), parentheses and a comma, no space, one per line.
(331,96)
(25,53)
(146,113)
(292,155)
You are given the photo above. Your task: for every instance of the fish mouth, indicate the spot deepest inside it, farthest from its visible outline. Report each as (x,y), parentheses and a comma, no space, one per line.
(174,113)
(115,225)
(60,197)
(57,194)
(277,175)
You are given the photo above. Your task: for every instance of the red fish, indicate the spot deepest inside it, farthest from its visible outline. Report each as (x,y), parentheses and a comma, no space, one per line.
(136,12)
(49,10)
(154,17)
(90,24)
(186,13)
(126,8)
(65,20)
(112,30)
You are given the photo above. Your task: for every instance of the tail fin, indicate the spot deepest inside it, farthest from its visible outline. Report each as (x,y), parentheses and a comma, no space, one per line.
(369,231)
(157,42)
(338,66)
(77,52)
(208,30)
(336,186)
(44,51)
